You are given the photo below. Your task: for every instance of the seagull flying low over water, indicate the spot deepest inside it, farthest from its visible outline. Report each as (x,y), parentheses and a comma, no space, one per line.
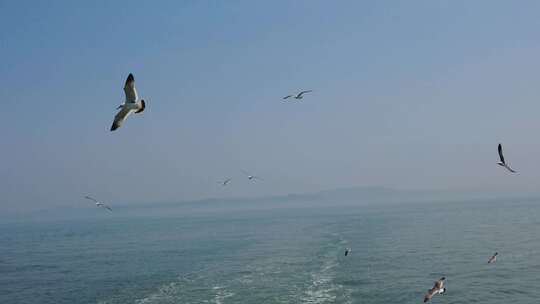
(502,163)
(251,177)
(298,96)
(493,258)
(98,203)
(437,289)
(132,103)
(347,251)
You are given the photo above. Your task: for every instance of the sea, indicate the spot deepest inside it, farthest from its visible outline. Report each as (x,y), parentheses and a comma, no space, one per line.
(293,253)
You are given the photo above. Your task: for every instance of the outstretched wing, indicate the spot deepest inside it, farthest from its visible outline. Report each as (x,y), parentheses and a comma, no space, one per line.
(428,295)
(501,156)
(107,207)
(120,117)
(129,89)
(91,198)
(288,96)
(304,92)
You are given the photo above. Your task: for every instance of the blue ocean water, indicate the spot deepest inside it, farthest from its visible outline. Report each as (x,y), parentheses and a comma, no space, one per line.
(286,255)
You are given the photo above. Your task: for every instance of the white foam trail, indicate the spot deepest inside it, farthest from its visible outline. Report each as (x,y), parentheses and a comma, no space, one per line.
(322,289)
(164,293)
(221,294)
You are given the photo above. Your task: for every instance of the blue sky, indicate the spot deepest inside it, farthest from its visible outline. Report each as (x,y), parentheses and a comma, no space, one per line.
(408,94)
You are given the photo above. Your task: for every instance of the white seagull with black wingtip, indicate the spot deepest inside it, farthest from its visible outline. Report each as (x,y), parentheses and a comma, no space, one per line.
(132,103)
(502,163)
(299,95)
(98,203)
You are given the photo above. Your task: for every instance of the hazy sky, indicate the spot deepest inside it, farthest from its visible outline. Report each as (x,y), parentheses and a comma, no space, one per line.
(409,94)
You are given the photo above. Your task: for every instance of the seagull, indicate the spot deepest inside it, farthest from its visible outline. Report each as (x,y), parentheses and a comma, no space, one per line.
(132,103)
(225,182)
(98,203)
(502,163)
(493,258)
(437,289)
(347,251)
(299,96)
(251,177)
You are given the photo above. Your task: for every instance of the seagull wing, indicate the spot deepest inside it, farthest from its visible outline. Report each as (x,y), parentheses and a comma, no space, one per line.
(429,295)
(509,169)
(91,198)
(107,207)
(120,117)
(288,96)
(501,156)
(304,92)
(438,285)
(129,89)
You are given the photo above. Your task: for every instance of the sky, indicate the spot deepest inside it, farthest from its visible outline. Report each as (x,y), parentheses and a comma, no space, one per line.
(406,94)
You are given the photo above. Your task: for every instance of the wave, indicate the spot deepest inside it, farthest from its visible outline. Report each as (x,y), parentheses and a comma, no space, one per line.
(194,287)
(323,287)
(221,294)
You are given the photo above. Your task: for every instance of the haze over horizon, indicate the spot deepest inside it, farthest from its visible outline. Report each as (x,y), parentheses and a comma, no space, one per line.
(413,96)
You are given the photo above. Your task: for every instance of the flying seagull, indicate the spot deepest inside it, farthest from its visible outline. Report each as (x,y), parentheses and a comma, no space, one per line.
(347,251)
(132,103)
(98,203)
(225,182)
(437,289)
(299,95)
(502,163)
(493,258)
(251,177)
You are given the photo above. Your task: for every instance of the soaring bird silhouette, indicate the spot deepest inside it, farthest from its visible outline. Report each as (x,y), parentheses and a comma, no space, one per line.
(98,203)
(298,96)
(250,176)
(502,163)
(132,104)
(225,182)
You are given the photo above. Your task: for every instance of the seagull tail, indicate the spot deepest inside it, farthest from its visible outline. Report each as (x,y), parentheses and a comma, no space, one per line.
(143,106)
